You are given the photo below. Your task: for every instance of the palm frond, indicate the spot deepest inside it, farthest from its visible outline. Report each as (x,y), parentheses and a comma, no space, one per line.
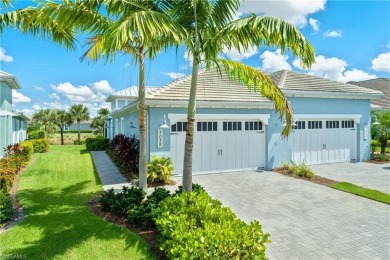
(258,82)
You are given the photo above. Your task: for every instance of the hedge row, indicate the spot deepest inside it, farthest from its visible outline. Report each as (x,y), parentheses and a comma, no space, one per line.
(39,145)
(38,134)
(99,143)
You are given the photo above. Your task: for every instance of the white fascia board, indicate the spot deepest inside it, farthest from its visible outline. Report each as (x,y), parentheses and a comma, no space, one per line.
(125,110)
(355,117)
(320,94)
(183,117)
(11,81)
(210,104)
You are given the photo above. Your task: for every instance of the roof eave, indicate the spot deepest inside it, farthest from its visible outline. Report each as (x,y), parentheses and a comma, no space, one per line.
(323,94)
(11,81)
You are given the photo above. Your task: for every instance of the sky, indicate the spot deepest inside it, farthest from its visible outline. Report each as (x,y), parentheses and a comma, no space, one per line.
(351,41)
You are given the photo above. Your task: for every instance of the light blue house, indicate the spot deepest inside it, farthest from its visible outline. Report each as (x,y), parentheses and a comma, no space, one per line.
(13,125)
(237,129)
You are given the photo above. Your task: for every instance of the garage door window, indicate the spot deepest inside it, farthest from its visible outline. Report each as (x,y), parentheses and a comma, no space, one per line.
(332,124)
(179,127)
(232,126)
(206,126)
(299,125)
(347,124)
(253,125)
(315,124)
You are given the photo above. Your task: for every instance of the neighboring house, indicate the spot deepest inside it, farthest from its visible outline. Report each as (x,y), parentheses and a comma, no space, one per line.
(13,125)
(84,126)
(238,129)
(381,84)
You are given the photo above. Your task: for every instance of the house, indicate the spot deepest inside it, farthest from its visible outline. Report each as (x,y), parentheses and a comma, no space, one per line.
(13,125)
(84,126)
(381,84)
(237,129)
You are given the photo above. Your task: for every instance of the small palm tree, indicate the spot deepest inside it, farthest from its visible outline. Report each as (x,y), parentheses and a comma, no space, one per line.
(98,121)
(43,118)
(383,126)
(62,118)
(79,113)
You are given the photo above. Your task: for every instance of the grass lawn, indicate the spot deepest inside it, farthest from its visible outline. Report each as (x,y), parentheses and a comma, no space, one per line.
(54,192)
(367,193)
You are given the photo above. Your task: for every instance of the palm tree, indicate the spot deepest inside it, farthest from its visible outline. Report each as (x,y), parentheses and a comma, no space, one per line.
(62,118)
(211,28)
(43,118)
(79,113)
(382,124)
(98,121)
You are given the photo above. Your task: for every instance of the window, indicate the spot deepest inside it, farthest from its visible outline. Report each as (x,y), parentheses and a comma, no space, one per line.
(122,125)
(253,125)
(332,124)
(299,125)
(314,124)
(232,126)
(204,126)
(179,127)
(116,126)
(121,103)
(347,124)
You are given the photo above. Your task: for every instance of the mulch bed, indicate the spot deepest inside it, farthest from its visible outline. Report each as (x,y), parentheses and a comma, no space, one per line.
(316,179)
(377,162)
(150,236)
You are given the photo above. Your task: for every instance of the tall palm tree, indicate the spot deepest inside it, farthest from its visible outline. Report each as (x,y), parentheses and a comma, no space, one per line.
(43,118)
(79,113)
(211,27)
(61,118)
(98,121)
(382,124)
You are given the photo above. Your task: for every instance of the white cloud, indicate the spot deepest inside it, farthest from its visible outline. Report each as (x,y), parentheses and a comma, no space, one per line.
(38,88)
(234,54)
(5,57)
(274,61)
(102,86)
(335,69)
(18,97)
(55,96)
(291,10)
(55,105)
(388,45)
(315,24)
(333,33)
(68,89)
(127,65)
(174,75)
(381,62)
(36,107)
(188,56)
(28,111)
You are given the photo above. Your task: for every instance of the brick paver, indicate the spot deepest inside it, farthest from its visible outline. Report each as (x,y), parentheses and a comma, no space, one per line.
(305,220)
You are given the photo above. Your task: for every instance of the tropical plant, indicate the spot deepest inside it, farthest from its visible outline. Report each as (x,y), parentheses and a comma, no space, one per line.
(381,122)
(98,121)
(43,119)
(298,169)
(160,169)
(212,28)
(79,113)
(62,118)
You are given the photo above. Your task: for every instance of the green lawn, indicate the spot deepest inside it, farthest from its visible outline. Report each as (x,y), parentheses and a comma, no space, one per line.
(367,193)
(58,224)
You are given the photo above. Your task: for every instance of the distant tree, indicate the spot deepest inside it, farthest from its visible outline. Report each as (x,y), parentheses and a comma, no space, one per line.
(79,113)
(43,120)
(62,118)
(98,121)
(383,118)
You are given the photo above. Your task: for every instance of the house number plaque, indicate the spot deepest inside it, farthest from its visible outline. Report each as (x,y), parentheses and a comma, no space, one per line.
(160,138)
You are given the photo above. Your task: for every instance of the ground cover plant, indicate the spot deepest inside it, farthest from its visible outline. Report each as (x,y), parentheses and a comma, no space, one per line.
(298,169)
(363,192)
(58,223)
(69,137)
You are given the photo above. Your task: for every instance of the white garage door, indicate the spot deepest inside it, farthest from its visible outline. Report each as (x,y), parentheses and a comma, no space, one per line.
(324,141)
(220,145)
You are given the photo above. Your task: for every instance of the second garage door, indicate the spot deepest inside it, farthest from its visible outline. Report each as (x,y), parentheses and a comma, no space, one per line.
(220,145)
(324,141)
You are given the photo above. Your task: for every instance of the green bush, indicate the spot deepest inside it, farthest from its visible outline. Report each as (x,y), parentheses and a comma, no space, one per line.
(39,134)
(77,142)
(39,145)
(27,152)
(160,169)
(6,212)
(195,226)
(298,169)
(195,188)
(380,157)
(99,143)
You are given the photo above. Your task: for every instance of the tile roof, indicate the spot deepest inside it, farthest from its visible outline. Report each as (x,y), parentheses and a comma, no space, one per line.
(131,92)
(381,84)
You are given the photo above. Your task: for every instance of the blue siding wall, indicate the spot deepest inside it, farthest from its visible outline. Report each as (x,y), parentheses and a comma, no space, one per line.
(5,97)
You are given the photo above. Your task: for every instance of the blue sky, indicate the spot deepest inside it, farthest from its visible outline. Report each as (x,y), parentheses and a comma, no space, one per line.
(351,39)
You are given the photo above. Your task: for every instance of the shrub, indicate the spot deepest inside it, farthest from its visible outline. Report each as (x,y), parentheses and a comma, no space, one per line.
(39,134)
(97,144)
(380,157)
(9,167)
(160,169)
(77,142)
(195,226)
(27,151)
(6,212)
(126,152)
(195,188)
(298,169)
(39,145)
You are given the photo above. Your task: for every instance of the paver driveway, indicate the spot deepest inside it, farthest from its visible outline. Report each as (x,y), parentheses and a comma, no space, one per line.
(367,175)
(305,220)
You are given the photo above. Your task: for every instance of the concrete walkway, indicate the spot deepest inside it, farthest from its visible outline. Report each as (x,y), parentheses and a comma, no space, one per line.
(108,173)
(367,175)
(305,220)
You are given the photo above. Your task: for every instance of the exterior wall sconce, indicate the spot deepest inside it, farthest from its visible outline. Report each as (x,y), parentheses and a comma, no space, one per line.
(131,125)
(164,124)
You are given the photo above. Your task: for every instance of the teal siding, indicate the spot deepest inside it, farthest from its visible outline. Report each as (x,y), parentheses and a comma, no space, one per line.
(5,97)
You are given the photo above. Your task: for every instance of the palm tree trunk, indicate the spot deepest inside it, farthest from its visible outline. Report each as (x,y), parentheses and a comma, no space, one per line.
(78,135)
(62,134)
(187,164)
(142,122)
